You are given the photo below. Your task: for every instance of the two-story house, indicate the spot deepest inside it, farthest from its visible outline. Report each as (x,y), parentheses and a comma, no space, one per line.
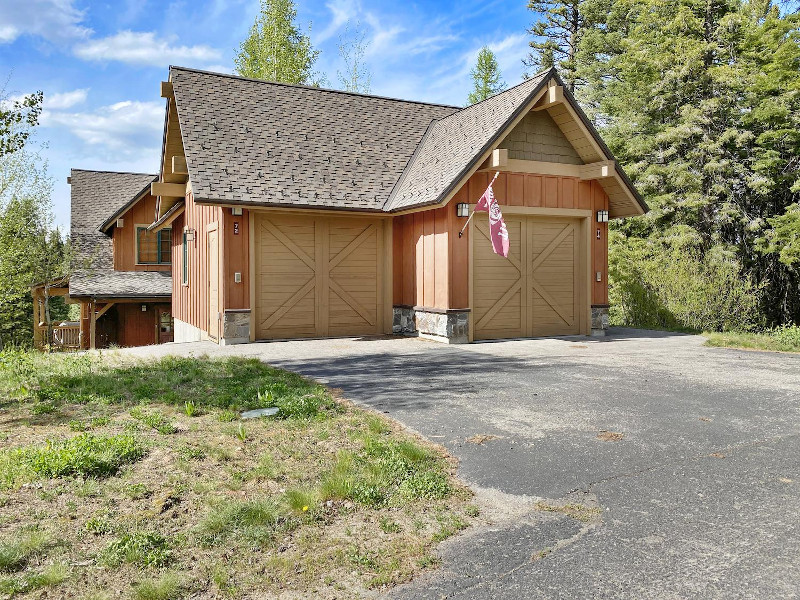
(121,272)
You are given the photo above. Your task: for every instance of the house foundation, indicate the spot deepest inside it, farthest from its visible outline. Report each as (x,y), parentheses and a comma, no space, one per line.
(448,326)
(599,319)
(235,327)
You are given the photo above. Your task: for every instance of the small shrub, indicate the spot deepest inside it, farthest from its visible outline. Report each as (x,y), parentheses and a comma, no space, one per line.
(671,282)
(43,408)
(137,491)
(787,336)
(472,511)
(187,452)
(140,548)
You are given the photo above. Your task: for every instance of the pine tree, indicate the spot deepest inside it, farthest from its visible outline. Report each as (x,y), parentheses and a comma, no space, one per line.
(352,47)
(486,77)
(699,100)
(276,49)
(556,38)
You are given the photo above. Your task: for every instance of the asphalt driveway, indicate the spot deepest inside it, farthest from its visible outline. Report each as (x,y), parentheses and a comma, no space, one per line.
(698,498)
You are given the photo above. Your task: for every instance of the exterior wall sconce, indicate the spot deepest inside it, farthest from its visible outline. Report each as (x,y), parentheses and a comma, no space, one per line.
(144,307)
(236,211)
(462,210)
(189,234)
(602,216)
(120,223)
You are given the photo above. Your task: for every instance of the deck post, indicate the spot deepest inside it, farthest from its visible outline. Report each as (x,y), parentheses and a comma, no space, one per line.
(92,324)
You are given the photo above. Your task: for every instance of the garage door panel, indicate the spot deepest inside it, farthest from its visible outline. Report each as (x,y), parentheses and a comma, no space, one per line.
(545,264)
(337,257)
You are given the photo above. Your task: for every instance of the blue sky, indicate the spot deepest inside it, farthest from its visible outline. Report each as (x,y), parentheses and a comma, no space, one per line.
(100,63)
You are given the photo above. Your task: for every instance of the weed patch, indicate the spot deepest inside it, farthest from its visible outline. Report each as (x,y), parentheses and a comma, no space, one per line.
(85,455)
(139,548)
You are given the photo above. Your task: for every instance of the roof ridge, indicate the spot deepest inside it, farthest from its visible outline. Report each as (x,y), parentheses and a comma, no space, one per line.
(497,95)
(114,172)
(313,88)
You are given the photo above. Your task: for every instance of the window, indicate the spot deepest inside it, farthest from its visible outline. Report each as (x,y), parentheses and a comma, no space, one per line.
(153,247)
(185,261)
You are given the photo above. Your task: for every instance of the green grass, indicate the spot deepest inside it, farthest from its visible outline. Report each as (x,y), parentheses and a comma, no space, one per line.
(141,473)
(85,455)
(782,339)
(154,419)
(385,472)
(19,548)
(233,384)
(256,521)
(166,587)
(28,582)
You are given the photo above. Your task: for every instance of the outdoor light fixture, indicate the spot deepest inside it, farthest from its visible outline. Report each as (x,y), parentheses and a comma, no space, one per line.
(602,216)
(236,211)
(120,223)
(462,210)
(144,307)
(189,234)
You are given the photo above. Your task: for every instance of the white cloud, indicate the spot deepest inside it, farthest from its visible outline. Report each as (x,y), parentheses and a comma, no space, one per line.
(53,20)
(143,48)
(342,12)
(64,100)
(120,130)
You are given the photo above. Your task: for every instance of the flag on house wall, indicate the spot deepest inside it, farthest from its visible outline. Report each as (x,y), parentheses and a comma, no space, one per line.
(497,226)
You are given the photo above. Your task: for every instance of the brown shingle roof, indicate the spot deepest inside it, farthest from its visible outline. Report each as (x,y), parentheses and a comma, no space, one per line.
(95,196)
(259,142)
(453,144)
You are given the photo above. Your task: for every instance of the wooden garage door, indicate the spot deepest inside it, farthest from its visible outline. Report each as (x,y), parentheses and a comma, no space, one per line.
(536,291)
(318,276)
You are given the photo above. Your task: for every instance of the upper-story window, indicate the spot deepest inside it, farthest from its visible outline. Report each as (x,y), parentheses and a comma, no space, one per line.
(153,247)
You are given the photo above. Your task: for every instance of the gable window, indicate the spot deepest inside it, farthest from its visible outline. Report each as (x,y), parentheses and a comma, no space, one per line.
(153,247)
(185,261)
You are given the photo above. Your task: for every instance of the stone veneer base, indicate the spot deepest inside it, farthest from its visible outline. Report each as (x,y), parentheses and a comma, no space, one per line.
(448,326)
(235,327)
(599,319)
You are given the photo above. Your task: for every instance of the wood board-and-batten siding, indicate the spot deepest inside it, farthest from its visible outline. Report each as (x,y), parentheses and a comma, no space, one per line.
(431,263)
(190,302)
(124,238)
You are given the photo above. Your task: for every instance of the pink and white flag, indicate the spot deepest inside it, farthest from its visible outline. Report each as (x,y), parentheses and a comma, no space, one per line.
(497,226)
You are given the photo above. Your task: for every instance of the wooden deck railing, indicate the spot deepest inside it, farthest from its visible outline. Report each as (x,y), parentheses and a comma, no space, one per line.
(65,337)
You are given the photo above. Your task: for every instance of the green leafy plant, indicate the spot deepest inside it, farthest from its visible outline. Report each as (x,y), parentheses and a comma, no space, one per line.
(141,548)
(189,408)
